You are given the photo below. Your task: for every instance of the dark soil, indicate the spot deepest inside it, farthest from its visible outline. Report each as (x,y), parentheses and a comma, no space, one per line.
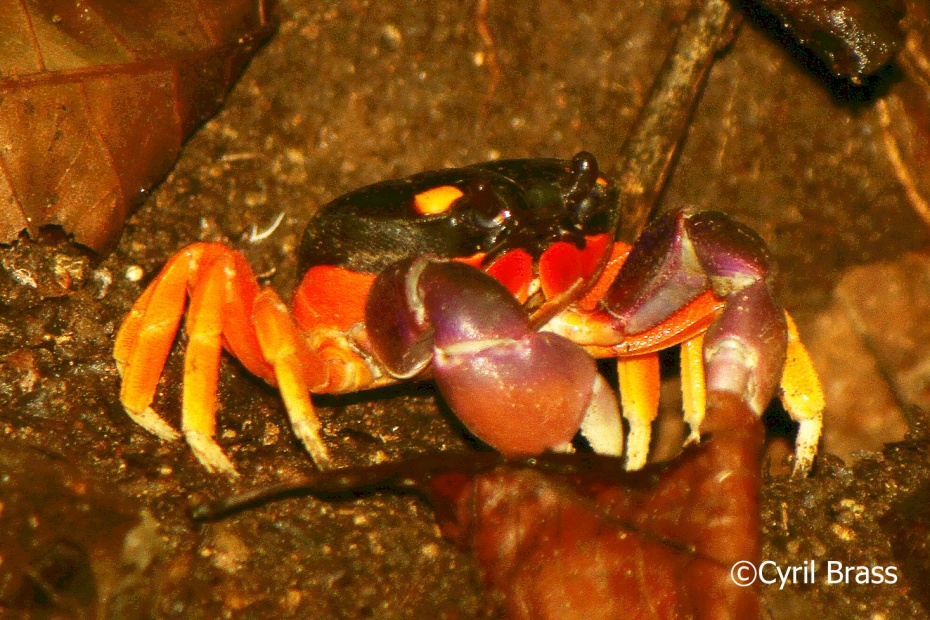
(350,93)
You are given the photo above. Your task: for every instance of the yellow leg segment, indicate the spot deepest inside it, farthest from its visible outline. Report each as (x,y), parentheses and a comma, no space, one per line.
(802,396)
(294,365)
(639,397)
(202,368)
(693,386)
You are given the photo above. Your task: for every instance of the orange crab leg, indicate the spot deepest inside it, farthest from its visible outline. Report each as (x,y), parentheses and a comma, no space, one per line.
(693,385)
(639,399)
(297,369)
(227,309)
(202,366)
(803,399)
(240,291)
(145,339)
(639,392)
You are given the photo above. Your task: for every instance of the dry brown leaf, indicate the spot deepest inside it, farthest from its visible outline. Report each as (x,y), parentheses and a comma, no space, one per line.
(97,98)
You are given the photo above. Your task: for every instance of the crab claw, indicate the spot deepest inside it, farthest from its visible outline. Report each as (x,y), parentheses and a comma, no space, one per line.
(751,348)
(744,350)
(687,252)
(519,390)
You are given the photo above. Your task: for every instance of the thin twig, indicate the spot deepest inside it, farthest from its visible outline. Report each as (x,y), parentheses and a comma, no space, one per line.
(647,155)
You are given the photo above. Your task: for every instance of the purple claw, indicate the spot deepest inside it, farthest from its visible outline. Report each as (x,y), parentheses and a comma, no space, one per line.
(727,249)
(398,331)
(464,305)
(661,275)
(744,350)
(681,255)
(519,390)
(522,396)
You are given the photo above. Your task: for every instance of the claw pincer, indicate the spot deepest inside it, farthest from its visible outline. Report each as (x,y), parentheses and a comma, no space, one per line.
(747,345)
(500,376)
(680,256)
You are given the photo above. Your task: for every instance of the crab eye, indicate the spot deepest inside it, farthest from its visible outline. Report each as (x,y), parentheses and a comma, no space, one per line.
(487,211)
(585,176)
(437,200)
(584,172)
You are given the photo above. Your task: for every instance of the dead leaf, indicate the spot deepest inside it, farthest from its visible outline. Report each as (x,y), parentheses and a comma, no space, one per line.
(97,98)
(604,543)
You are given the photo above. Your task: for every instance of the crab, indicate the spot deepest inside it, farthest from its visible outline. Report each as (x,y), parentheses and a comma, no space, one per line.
(502,282)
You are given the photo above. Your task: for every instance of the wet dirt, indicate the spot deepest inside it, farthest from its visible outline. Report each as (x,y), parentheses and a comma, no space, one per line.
(350,93)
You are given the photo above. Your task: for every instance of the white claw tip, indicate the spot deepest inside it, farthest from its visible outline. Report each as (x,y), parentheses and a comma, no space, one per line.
(153,423)
(635,462)
(693,438)
(210,454)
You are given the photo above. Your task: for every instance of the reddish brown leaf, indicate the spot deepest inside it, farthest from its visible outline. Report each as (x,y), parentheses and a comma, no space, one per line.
(96,99)
(606,544)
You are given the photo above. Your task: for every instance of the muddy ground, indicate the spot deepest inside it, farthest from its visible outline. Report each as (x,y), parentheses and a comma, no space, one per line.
(349,93)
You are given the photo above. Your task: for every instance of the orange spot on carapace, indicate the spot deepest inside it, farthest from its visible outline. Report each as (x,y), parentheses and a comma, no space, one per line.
(437,200)
(475,260)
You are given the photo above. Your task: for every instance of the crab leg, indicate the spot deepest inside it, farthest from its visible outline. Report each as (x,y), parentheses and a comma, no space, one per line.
(639,398)
(693,385)
(297,370)
(202,367)
(227,309)
(802,396)
(218,282)
(146,336)
(639,392)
